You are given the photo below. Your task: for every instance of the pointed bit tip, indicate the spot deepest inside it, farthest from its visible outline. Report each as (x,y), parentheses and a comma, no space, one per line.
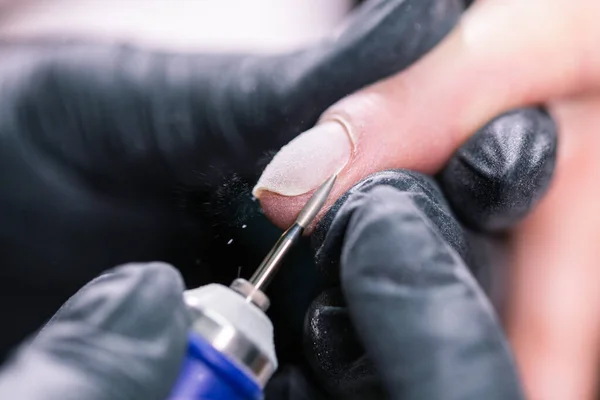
(315,203)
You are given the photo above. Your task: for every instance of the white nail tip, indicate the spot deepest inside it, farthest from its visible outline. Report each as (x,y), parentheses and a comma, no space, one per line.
(307,161)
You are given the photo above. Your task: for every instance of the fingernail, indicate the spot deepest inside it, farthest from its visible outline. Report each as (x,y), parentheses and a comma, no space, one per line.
(307,161)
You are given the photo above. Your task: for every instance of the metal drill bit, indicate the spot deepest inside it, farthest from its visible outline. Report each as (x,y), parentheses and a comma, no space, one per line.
(253,290)
(268,266)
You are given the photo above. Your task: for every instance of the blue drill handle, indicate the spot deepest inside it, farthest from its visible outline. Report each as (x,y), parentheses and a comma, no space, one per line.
(207,374)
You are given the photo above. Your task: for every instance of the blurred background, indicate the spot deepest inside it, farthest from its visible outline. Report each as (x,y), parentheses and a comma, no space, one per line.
(266,26)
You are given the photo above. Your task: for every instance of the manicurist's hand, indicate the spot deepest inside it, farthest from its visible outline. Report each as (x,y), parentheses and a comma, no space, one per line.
(406,313)
(123,336)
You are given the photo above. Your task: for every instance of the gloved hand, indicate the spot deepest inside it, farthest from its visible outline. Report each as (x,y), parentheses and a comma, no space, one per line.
(122,336)
(111,154)
(403,315)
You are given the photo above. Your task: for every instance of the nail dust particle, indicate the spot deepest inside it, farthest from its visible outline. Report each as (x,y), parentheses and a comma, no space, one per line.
(230,241)
(244,226)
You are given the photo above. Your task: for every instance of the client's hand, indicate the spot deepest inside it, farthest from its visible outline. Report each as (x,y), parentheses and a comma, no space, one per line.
(503,54)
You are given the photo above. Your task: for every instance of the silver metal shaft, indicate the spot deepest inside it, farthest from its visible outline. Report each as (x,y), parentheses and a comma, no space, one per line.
(315,203)
(253,290)
(268,266)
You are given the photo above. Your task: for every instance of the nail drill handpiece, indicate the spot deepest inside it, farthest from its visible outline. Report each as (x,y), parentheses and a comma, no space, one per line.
(231,349)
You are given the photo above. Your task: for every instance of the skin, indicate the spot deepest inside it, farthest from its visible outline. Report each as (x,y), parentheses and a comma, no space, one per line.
(554,318)
(505,54)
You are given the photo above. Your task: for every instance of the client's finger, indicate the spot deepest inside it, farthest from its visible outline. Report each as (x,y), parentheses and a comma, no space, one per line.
(503,54)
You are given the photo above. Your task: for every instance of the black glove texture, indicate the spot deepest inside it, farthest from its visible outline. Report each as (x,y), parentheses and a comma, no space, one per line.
(121,337)
(404,312)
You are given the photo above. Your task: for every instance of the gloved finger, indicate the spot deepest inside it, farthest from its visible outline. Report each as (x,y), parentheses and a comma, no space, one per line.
(123,336)
(334,351)
(503,170)
(331,345)
(164,117)
(418,118)
(407,289)
(292,383)
(418,311)
(328,242)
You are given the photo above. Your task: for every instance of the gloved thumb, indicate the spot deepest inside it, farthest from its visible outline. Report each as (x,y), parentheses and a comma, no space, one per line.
(122,336)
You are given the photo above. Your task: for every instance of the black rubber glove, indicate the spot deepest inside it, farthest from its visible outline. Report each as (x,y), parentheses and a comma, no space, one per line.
(122,336)
(111,154)
(406,291)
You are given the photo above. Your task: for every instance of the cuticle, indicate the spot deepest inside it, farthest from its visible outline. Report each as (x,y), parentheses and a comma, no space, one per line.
(347,128)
